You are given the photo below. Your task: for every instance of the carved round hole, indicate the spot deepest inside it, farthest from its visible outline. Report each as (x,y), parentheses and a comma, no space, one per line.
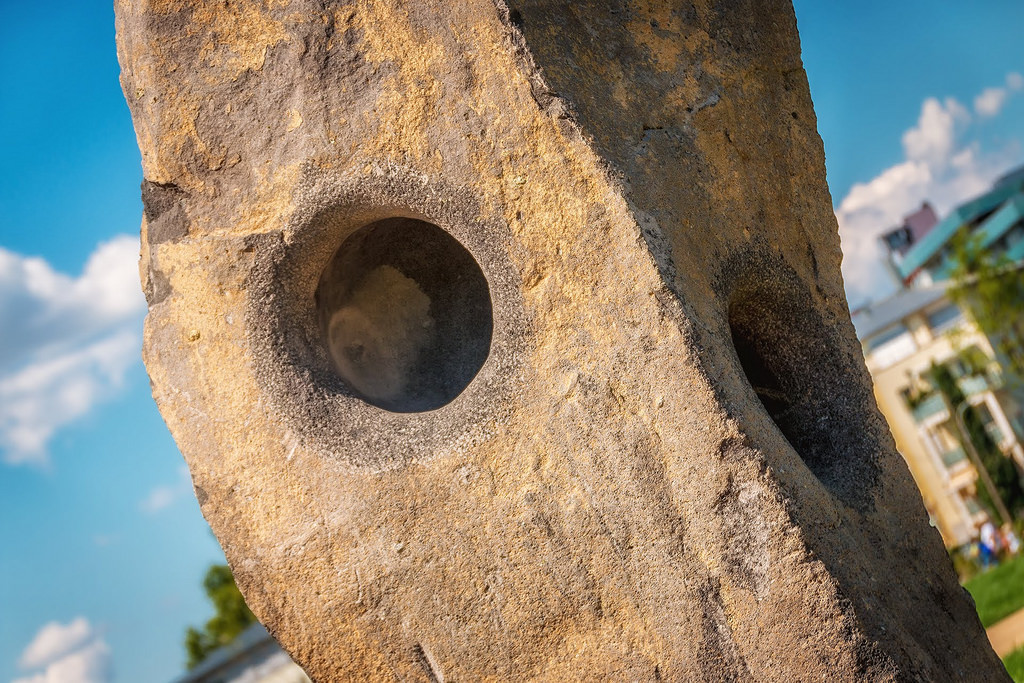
(405,313)
(791,360)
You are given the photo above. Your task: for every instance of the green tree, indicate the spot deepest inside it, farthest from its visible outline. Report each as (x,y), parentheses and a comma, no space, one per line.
(231,617)
(991,288)
(1001,469)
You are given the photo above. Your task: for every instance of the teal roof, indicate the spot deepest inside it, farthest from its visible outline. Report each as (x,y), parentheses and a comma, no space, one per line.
(937,238)
(996,225)
(990,230)
(1016,252)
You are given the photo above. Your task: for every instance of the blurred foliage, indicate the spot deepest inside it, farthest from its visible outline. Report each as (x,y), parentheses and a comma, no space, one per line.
(232,616)
(998,592)
(1000,468)
(991,287)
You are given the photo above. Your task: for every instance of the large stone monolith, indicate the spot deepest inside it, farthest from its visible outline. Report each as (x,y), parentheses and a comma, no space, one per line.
(509,342)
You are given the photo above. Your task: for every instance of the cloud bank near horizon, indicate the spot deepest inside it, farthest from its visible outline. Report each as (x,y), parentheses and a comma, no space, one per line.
(939,166)
(67,653)
(67,342)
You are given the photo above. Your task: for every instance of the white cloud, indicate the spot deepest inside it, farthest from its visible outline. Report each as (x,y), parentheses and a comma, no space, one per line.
(54,640)
(159,498)
(932,139)
(67,343)
(990,101)
(165,495)
(938,167)
(72,653)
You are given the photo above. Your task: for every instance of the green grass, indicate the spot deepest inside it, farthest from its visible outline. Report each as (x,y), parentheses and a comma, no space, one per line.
(1014,663)
(999,592)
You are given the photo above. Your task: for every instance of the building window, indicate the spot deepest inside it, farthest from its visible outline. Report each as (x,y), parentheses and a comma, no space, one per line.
(944,319)
(891,346)
(883,338)
(990,424)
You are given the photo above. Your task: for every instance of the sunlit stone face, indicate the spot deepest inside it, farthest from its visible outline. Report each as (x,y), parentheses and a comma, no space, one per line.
(601,416)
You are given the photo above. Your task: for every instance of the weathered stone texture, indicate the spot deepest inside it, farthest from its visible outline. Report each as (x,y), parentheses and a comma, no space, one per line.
(669,465)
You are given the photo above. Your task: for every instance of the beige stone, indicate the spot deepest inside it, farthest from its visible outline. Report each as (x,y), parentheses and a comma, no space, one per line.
(509,342)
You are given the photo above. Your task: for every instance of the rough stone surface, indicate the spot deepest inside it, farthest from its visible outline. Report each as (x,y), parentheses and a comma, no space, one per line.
(669,465)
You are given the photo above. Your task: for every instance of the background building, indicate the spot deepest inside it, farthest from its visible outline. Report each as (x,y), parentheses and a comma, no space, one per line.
(898,241)
(910,334)
(903,337)
(919,252)
(253,657)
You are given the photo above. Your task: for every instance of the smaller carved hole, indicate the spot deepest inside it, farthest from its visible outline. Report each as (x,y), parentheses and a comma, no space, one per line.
(792,362)
(405,313)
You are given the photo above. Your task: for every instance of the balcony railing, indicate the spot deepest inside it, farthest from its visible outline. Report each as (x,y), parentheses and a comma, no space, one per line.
(973,507)
(995,433)
(979,384)
(929,407)
(971,386)
(954,457)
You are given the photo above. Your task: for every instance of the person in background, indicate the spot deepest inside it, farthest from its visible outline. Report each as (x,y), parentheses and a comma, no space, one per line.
(988,544)
(1010,542)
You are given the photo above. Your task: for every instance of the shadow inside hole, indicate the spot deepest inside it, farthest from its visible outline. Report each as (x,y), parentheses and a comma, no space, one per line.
(405,314)
(792,361)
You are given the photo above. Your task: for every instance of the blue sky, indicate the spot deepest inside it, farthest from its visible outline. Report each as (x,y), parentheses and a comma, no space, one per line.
(896,88)
(104,546)
(100,523)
